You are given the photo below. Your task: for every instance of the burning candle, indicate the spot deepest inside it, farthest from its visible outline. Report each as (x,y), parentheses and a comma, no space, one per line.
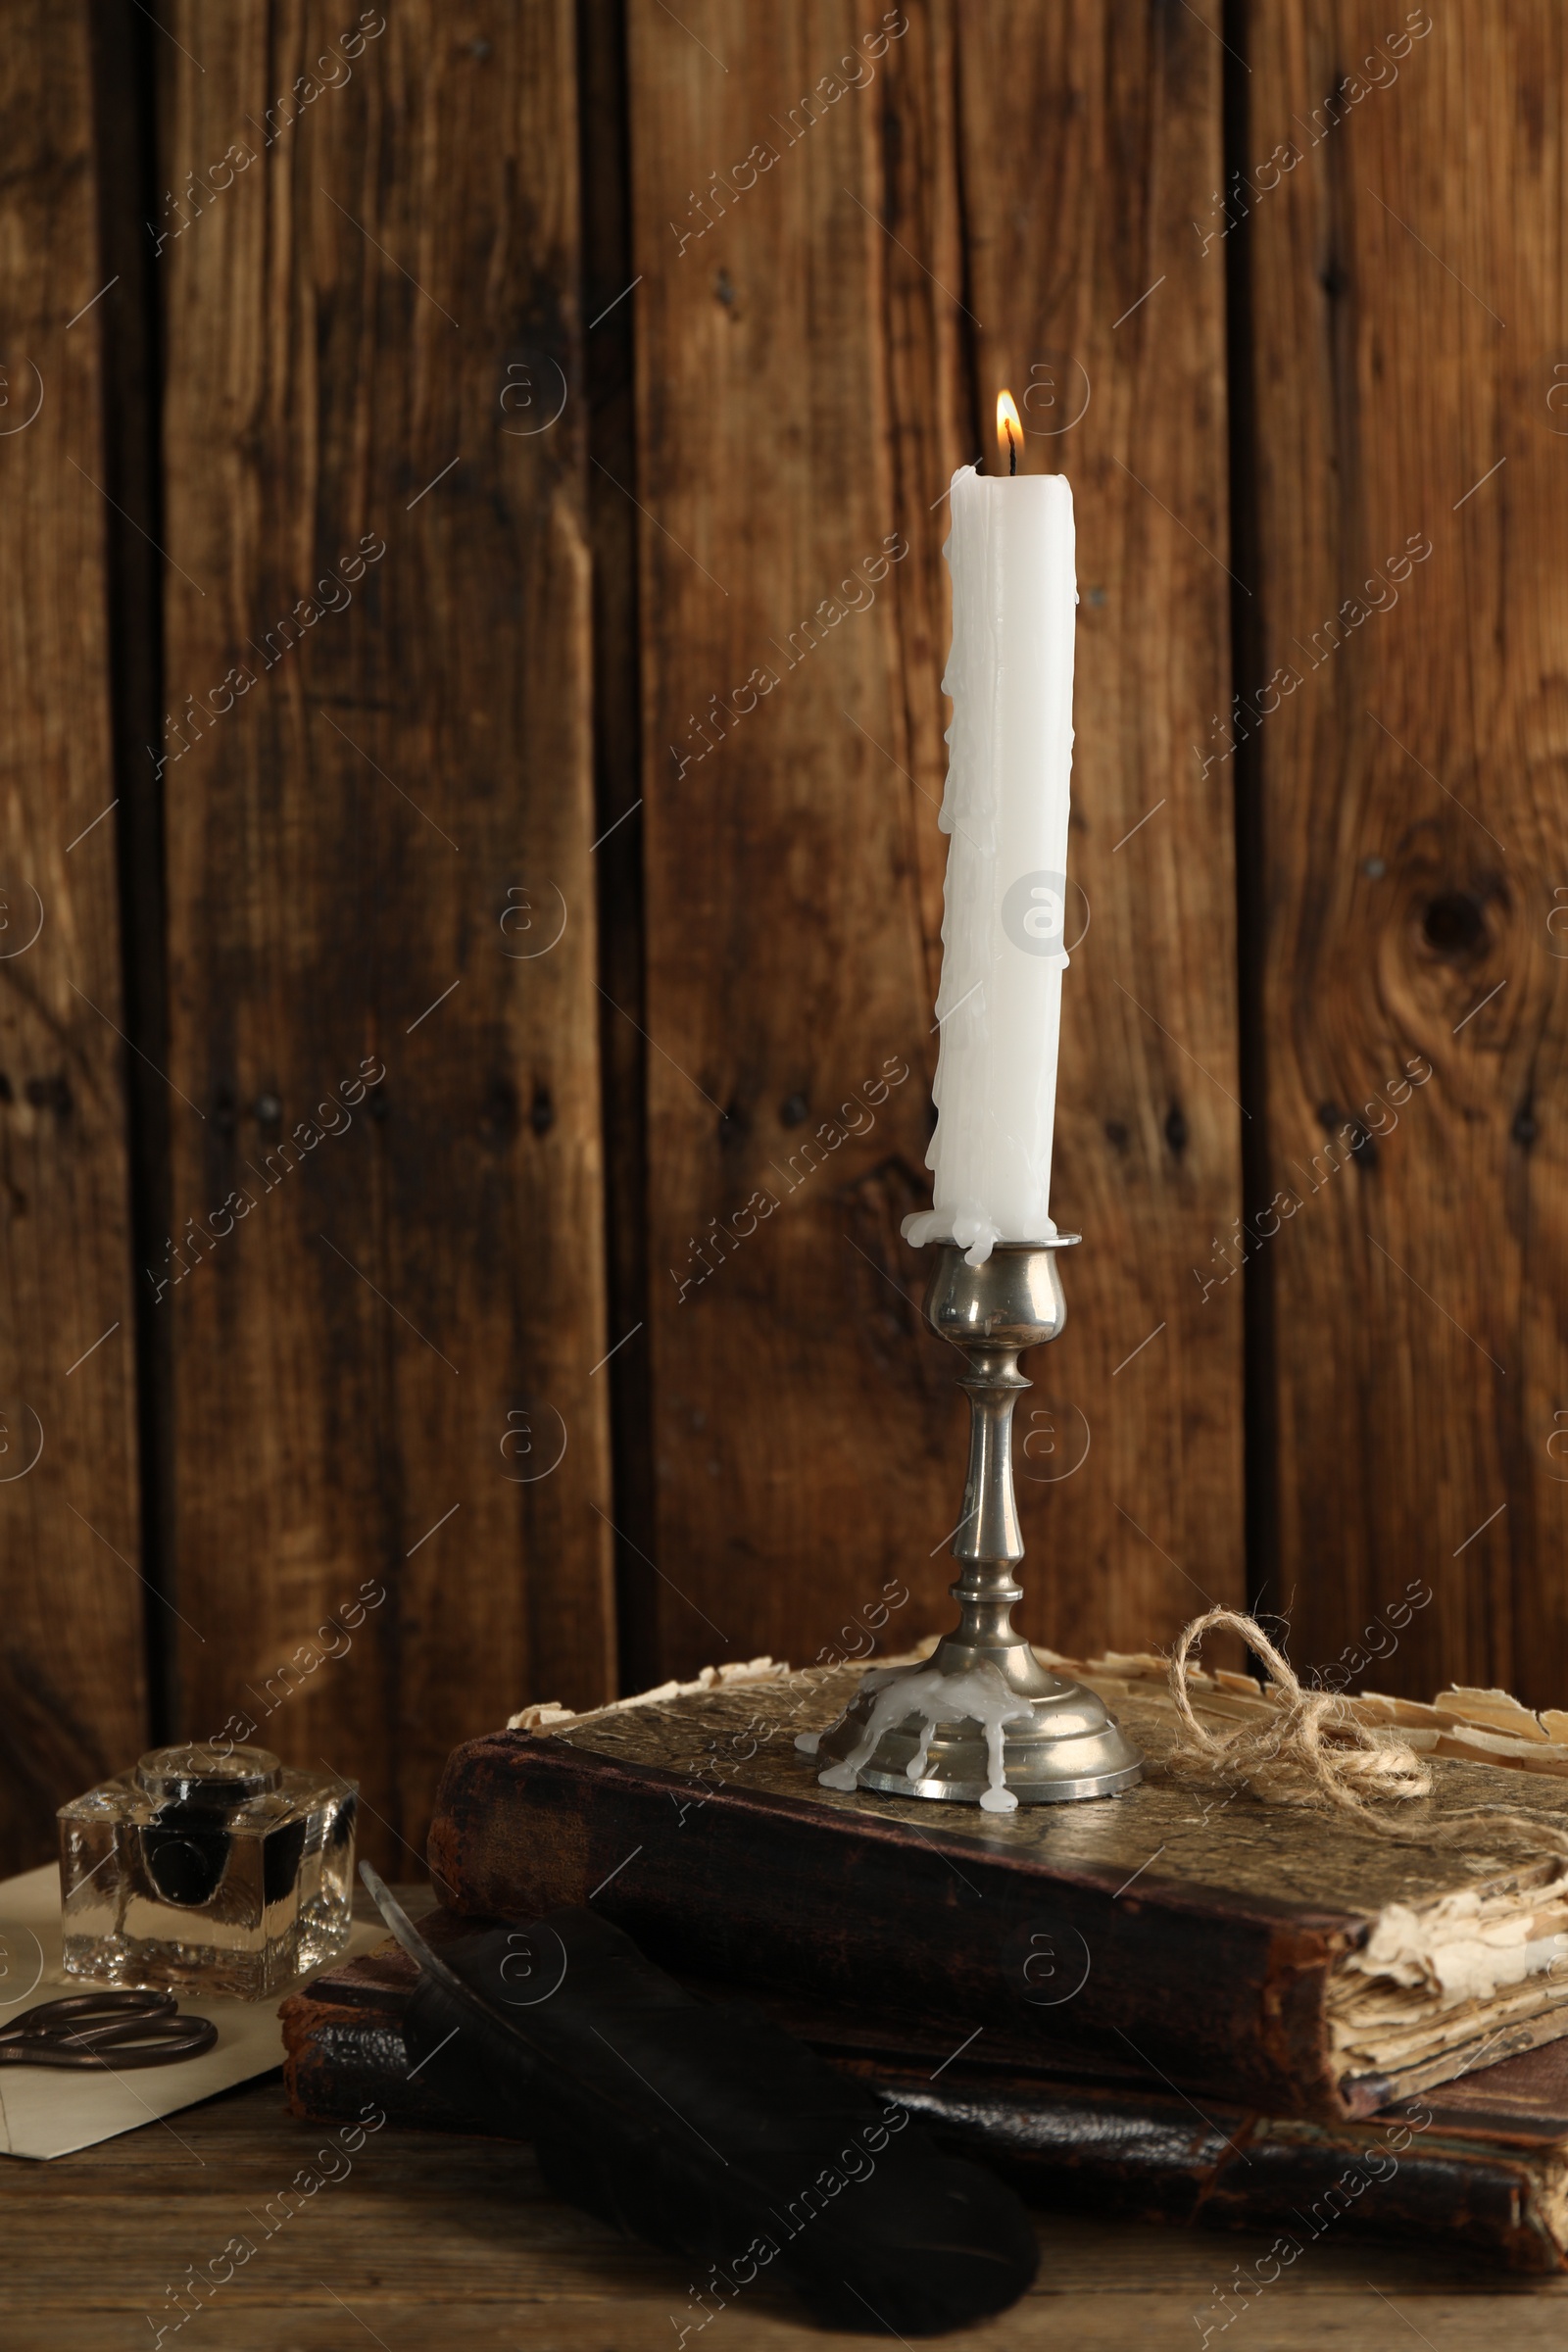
(999,1009)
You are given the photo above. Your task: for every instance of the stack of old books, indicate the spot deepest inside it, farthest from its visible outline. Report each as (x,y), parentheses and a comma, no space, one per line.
(1184,2005)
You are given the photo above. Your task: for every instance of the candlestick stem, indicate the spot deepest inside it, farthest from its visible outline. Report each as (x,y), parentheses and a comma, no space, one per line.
(989,1539)
(1070,1745)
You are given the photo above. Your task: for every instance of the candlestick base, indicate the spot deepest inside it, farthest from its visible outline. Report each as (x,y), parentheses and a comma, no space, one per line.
(1057,1741)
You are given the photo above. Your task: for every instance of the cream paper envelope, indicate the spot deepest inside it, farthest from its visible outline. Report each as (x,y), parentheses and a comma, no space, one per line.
(48,2111)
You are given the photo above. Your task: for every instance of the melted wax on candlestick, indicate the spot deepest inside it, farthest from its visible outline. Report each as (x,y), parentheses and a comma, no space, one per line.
(980,1695)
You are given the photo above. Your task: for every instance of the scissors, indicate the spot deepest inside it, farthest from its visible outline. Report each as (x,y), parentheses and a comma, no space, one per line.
(141,2029)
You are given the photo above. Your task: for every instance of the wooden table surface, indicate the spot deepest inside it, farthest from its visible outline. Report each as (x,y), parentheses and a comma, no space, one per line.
(431,2243)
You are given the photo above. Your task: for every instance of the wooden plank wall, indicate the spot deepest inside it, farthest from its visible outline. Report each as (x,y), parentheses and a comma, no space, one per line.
(539,623)
(1413,483)
(834,287)
(73,1694)
(381,926)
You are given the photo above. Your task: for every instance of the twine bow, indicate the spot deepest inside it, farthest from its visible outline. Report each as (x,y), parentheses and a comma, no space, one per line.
(1315,1752)
(1318,1753)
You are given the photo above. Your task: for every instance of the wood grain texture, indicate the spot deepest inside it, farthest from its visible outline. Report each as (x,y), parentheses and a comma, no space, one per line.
(821,214)
(440,2243)
(804,1441)
(1406,276)
(613,522)
(71,1683)
(378,852)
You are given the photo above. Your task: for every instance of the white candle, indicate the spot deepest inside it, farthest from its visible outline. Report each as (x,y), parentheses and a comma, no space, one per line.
(1009,676)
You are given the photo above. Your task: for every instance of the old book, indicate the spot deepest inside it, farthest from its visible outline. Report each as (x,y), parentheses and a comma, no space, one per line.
(1284,1960)
(1482,2162)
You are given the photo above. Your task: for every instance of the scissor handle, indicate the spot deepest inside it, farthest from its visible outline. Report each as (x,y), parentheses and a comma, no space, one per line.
(86,2008)
(141,2028)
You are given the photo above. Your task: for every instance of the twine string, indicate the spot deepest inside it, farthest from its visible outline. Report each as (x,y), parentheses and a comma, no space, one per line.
(1318,1753)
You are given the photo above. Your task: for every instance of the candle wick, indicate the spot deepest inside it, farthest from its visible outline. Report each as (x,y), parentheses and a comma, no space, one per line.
(1013,452)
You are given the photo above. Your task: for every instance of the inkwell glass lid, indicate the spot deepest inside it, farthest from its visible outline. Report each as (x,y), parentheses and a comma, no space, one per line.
(198,1774)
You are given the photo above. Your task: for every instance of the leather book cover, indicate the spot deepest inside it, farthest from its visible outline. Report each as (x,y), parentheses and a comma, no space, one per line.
(1482,2162)
(1282,1959)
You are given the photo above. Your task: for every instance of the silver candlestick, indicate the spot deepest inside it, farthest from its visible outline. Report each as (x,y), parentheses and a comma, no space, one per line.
(1060,1741)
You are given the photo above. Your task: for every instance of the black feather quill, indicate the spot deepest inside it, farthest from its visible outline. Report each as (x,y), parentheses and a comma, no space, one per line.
(706,2130)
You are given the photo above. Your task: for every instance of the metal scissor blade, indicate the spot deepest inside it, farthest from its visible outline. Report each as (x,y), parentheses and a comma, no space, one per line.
(407,1936)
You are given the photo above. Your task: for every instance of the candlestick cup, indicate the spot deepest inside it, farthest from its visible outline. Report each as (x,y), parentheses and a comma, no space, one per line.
(1035,1738)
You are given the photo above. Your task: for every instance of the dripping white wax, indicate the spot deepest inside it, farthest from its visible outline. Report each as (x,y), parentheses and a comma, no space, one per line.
(1011,554)
(979,1694)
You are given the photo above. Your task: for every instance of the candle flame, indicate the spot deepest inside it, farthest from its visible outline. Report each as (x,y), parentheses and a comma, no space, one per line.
(1009,427)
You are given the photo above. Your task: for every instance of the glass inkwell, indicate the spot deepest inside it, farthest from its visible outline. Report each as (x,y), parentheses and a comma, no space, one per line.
(207,1870)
